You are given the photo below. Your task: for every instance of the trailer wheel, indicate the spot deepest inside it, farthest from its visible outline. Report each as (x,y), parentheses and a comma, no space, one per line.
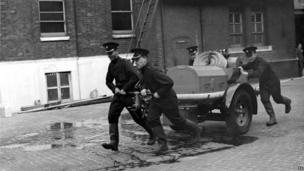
(240,113)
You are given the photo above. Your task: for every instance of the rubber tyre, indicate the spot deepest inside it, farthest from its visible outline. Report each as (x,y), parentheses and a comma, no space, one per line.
(240,112)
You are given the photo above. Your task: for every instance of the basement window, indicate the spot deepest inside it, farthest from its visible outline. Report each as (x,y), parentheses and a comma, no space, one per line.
(122,18)
(58,86)
(52,19)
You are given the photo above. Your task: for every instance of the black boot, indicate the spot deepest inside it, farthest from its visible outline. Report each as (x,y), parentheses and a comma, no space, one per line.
(152,138)
(114,138)
(162,140)
(142,121)
(195,129)
(269,109)
(287,103)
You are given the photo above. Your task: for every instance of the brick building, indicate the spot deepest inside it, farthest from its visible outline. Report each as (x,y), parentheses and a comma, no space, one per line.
(51,49)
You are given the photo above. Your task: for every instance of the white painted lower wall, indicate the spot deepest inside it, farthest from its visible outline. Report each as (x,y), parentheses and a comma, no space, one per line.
(24,82)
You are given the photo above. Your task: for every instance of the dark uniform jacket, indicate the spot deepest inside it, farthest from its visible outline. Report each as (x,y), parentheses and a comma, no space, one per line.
(190,62)
(157,81)
(262,69)
(124,74)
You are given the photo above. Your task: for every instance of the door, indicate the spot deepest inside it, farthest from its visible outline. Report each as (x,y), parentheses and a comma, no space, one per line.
(182,28)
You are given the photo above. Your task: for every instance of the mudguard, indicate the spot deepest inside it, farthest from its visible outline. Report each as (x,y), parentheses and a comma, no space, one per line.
(230,91)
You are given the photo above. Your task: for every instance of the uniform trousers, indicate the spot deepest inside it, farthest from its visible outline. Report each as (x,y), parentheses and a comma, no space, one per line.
(118,103)
(168,107)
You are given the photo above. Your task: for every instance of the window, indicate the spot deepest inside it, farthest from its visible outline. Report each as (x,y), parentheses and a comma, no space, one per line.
(246,27)
(122,18)
(58,86)
(236,27)
(257,28)
(52,18)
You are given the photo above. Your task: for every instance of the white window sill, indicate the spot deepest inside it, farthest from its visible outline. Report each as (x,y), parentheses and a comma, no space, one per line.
(260,49)
(122,36)
(59,38)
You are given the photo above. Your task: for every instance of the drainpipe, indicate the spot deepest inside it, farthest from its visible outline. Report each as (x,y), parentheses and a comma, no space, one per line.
(202,26)
(163,39)
(77,48)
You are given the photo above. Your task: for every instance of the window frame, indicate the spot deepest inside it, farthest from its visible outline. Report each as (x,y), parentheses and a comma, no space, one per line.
(58,86)
(53,34)
(249,28)
(254,30)
(124,33)
(233,34)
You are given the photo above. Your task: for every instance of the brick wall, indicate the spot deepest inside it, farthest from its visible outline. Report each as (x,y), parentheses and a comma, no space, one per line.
(93,26)
(89,26)
(20,33)
(279,29)
(20,30)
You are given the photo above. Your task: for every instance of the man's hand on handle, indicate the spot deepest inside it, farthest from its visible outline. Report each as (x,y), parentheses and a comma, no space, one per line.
(118,91)
(242,71)
(143,92)
(156,95)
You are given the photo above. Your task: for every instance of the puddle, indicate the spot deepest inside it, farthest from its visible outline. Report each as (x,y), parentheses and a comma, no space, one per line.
(40,147)
(62,130)
(59,135)
(13,146)
(47,147)
(66,130)
(29,135)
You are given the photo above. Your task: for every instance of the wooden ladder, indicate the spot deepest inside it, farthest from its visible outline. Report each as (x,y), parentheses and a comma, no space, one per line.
(147,20)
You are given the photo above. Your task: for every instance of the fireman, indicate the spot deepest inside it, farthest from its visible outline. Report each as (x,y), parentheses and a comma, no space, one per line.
(268,81)
(164,100)
(125,76)
(193,51)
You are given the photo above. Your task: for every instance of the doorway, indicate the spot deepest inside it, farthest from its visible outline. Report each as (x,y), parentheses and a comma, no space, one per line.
(182,28)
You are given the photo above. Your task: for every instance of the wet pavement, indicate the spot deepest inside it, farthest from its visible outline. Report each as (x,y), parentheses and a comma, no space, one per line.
(71,138)
(53,144)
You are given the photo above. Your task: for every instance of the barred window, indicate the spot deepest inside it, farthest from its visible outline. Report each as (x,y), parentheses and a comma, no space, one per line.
(52,18)
(236,27)
(122,17)
(58,86)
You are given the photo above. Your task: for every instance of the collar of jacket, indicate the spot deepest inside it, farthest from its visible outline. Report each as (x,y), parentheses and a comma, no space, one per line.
(116,59)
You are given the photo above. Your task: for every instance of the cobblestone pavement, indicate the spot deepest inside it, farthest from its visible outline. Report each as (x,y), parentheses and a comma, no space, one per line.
(280,147)
(69,139)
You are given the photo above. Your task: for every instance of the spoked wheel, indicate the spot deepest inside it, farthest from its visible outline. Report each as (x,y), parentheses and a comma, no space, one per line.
(240,113)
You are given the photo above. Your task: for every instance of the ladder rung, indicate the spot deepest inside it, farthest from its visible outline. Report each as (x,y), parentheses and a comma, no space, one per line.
(151,8)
